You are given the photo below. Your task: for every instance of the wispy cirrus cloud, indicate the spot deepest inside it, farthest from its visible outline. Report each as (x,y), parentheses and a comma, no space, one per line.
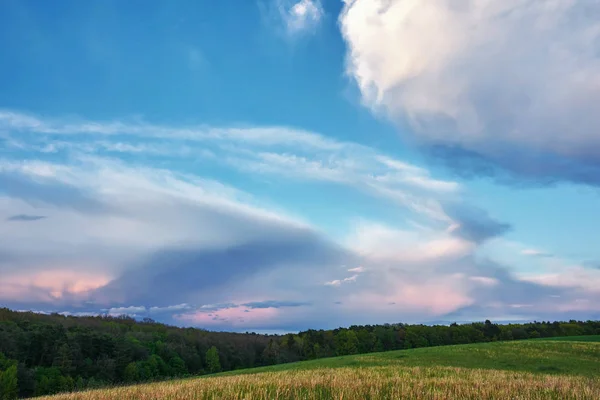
(338,282)
(357,269)
(275,304)
(275,151)
(302,16)
(293,18)
(536,253)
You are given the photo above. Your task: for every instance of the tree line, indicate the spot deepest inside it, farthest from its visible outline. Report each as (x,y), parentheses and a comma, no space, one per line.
(47,354)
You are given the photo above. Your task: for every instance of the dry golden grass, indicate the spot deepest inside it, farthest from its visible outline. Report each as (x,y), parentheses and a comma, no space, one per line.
(376,382)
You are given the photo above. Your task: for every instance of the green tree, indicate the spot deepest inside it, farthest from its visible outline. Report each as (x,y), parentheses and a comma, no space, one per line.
(271,353)
(26,381)
(534,334)
(9,389)
(131,372)
(62,360)
(79,383)
(94,383)
(153,366)
(506,334)
(212,360)
(106,368)
(177,366)
(48,381)
(346,342)
(366,341)
(415,339)
(42,385)
(491,331)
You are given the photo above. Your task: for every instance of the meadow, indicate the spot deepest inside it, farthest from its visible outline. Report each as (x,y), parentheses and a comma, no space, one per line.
(531,369)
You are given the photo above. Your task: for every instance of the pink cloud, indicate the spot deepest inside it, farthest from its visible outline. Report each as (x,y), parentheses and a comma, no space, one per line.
(380,242)
(234,316)
(437,296)
(484,280)
(570,277)
(49,285)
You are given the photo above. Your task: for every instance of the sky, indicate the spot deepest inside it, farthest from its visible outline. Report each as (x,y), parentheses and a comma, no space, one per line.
(280,165)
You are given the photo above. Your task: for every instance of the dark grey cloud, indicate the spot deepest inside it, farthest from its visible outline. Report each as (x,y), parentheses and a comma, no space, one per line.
(275,304)
(511,299)
(509,290)
(480,313)
(174,275)
(592,264)
(519,300)
(475,224)
(25,218)
(516,167)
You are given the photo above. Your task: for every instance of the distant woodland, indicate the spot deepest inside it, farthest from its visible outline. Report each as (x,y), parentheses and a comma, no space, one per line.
(46,354)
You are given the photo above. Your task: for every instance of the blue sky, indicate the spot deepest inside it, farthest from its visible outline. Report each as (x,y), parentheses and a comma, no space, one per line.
(282,165)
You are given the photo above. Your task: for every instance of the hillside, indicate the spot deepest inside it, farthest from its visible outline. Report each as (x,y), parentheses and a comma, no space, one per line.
(54,353)
(532,369)
(49,354)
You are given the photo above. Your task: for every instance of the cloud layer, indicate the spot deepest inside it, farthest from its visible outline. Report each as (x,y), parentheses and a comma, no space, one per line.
(126,230)
(492,87)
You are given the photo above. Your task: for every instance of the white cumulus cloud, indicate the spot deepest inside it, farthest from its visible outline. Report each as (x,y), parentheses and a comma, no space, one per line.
(489,76)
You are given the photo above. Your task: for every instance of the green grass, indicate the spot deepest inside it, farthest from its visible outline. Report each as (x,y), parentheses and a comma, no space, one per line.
(559,369)
(570,356)
(595,338)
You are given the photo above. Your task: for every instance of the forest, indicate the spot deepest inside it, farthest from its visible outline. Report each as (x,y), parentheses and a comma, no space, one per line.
(46,354)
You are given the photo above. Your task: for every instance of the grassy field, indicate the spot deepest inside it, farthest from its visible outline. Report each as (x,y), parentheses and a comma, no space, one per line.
(534,369)
(576,338)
